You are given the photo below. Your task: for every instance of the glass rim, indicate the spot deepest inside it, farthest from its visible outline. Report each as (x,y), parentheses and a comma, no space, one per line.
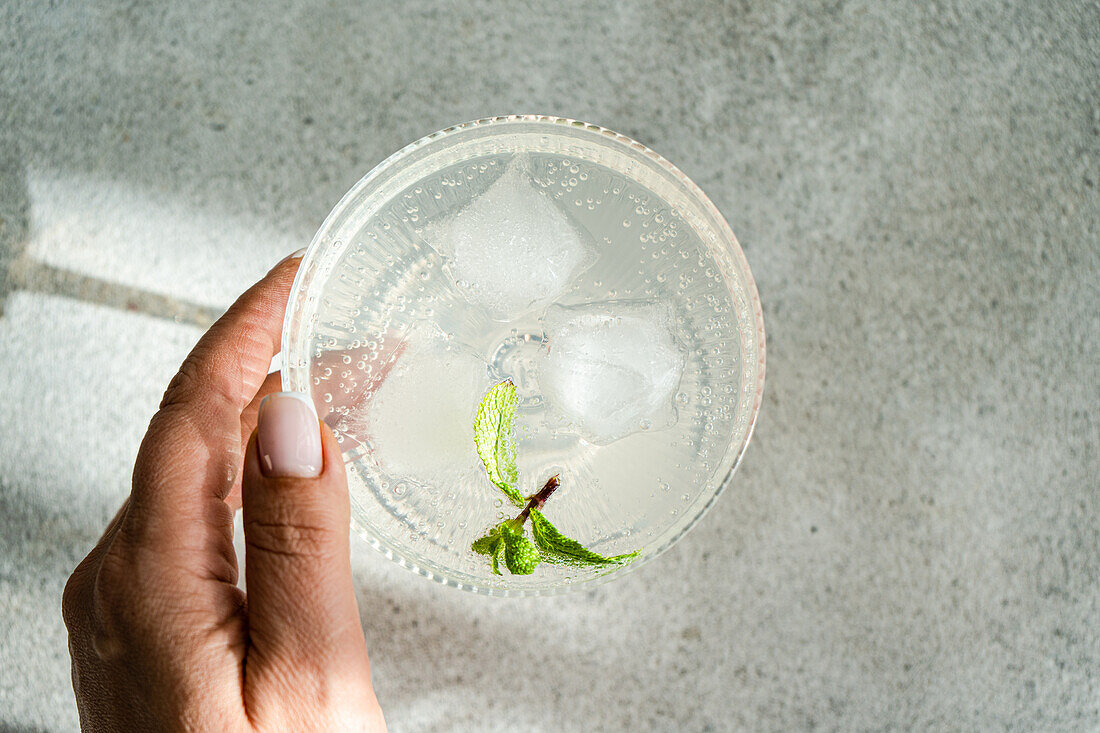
(752,339)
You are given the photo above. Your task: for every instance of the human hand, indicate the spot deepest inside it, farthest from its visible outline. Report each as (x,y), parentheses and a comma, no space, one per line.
(160,636)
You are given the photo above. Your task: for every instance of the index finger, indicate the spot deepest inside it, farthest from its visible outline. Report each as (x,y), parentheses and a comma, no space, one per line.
(192,450)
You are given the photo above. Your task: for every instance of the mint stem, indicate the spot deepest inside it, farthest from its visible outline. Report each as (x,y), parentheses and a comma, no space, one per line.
(536,500)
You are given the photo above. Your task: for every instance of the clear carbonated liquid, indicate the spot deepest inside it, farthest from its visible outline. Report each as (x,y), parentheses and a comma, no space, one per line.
(392,297)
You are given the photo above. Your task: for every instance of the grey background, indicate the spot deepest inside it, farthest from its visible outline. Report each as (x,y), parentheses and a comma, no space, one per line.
(913,539)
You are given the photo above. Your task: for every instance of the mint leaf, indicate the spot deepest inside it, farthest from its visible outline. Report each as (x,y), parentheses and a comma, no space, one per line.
(493,424)
(557,548)
(487,545)
(520,555)
(492,545)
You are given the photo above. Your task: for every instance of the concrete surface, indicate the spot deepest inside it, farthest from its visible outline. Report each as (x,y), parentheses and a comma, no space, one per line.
(913,540)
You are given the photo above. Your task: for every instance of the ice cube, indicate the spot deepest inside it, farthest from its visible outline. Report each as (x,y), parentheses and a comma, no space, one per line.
(610,367)
(419,421)
(512,250)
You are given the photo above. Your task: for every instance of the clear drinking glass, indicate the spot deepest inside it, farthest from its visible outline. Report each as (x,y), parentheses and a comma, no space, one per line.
(378,298)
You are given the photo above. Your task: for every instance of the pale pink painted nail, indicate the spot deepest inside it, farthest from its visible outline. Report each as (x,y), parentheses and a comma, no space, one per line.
(288,437)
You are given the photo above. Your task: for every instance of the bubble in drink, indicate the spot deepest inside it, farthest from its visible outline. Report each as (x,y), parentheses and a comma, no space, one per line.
(511,250)
(419,420)
(611,368)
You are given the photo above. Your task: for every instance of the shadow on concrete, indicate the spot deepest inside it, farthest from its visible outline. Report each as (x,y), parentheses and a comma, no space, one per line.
(19,271)
(14,216)
(20,728)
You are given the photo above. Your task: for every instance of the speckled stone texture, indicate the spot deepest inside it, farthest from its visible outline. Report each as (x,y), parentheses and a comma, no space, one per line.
(913,540)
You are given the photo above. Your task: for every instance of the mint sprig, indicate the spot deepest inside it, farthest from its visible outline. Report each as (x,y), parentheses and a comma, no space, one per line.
(507,542)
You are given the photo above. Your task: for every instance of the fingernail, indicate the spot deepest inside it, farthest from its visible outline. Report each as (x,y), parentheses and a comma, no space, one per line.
(288,437)
(293,255)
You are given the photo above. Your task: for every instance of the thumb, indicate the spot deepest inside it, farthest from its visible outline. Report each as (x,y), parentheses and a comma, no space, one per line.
(302,614)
